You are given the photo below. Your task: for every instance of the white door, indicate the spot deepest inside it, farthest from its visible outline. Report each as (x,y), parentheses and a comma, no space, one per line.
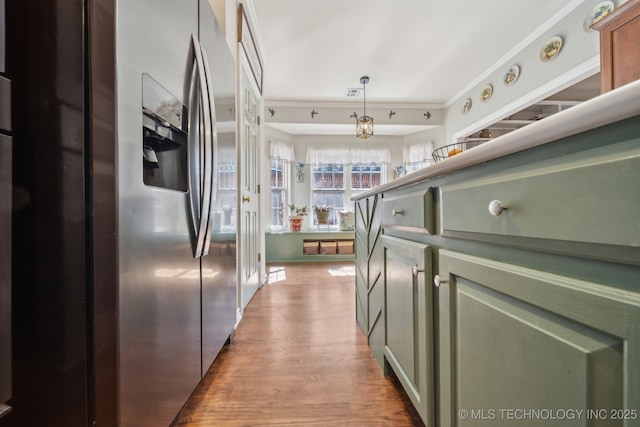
(249,243)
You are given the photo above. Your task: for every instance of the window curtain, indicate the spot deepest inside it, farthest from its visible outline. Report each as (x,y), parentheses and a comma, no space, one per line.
(282,151)
(345,156)
(366,156)
(418,153)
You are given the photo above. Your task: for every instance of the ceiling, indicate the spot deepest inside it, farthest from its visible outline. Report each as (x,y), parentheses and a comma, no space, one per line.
(414,51)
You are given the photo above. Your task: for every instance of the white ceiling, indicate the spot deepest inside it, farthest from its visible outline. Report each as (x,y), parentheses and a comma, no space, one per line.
(414,51)
(418,51)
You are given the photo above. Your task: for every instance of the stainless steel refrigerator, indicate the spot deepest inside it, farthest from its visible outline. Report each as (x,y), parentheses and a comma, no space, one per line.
(177,266)
(122,209)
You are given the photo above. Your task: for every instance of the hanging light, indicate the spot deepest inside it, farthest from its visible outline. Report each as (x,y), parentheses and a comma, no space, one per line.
(364,124)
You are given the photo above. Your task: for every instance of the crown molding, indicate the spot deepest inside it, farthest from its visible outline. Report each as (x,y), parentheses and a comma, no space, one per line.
(357,105)
(566,10)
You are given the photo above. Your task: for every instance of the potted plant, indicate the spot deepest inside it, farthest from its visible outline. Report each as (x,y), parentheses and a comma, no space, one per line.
(322,213)
(296,214)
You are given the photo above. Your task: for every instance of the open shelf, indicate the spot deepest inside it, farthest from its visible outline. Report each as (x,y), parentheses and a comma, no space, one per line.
(526,116)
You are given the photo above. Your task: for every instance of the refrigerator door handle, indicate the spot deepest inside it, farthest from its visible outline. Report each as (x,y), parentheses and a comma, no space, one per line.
(200,137)
(213,151)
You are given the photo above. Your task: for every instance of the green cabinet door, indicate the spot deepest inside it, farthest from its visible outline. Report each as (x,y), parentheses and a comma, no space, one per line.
(369,288)
(521,347)
(408,316)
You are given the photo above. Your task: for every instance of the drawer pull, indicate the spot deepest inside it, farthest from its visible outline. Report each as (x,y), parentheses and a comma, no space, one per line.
(397,212)
(496,207)
(415,270)
(437,281)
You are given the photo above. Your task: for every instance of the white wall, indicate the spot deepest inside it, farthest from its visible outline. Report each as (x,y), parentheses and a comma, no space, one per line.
(578,59)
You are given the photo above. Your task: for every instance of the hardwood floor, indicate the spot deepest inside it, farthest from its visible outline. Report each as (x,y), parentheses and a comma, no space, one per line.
(298,358)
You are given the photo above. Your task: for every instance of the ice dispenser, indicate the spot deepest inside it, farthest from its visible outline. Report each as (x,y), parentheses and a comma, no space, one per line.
(164,137)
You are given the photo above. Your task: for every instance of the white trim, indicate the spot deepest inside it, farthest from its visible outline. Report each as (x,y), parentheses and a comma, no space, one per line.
(563,81)
(255,29)
(350,105)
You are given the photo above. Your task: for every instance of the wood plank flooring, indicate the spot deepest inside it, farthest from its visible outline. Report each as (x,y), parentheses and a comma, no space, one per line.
(298,358)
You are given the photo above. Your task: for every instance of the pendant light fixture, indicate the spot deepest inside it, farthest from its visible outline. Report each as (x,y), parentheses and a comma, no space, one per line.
(364,124)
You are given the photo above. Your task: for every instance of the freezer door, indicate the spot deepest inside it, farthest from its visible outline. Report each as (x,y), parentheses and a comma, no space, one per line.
(159,279)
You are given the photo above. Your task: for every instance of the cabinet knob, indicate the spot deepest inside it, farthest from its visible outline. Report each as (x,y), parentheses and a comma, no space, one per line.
(437,281)
(397,212)
(496,207)
(415,270)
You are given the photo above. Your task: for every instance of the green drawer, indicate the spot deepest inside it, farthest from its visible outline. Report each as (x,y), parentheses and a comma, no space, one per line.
(589,197)
(411,211)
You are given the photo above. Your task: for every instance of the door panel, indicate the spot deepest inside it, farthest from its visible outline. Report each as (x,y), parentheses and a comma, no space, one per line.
(159,279)
(511,337)
(250,198)
(535,359)
(408,315)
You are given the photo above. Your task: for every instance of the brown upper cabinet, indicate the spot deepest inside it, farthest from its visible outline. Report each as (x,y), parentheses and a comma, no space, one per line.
(619,46)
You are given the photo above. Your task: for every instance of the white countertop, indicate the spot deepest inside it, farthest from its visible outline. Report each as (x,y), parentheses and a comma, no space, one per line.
(610,107)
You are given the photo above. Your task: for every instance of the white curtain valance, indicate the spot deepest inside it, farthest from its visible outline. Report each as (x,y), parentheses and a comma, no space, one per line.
(327,156)
(370,155)
(344,156)
(282,151)
(418,153)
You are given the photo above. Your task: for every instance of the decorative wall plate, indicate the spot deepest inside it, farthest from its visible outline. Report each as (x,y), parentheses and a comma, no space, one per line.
(466,105)
(551,49)
(486,93)
(512,75)
(600,11)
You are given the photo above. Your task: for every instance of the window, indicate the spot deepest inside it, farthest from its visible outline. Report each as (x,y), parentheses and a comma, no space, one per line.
(279,174)
(328,189)
(341,173)
(365,177)
(282,156)
(418,156)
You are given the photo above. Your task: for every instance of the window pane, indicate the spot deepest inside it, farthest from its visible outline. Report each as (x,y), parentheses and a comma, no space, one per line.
(277,173)
(277,208)
(366,177)
(418,165)
(328,177)
(335,199)
(227,176)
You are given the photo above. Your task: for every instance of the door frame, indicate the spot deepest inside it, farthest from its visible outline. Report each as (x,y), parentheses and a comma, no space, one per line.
(244,78)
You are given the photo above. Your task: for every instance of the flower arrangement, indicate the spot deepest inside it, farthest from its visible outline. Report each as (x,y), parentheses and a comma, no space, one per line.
(295,216)
(322,208)
(297,210)
(322,213)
